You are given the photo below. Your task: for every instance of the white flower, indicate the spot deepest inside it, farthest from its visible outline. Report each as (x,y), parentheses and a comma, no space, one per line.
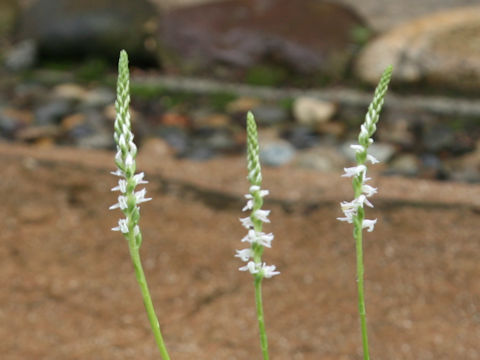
(118,172)
(121,204)
(249,205)
(254,237)
(244,254)
(368,190)
(122,226)
(372,159)
(251,267)
(369,224)
(357,148)
(354,171)
(139,179)
(246,222)
(140,196)
(122,186)
(269,270)
(262,215)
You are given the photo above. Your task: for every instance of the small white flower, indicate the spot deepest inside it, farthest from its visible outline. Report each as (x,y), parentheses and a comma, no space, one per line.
(372,159)
(251,267)
(354,171)
(362,199)
(357,148)
(269,270)
(121,204)
(118,172)
(369,224)
(244,254)
(122,226)
(246,222)
(254,237)
(249,205)
(122,186)
(140,196)
(368,190)
(262,215)
(139,179)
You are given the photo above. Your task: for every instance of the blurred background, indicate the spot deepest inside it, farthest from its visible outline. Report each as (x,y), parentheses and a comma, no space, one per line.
(307,69)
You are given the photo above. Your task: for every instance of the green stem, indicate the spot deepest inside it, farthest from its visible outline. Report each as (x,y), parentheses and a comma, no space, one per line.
(147,300)
(260,316)
(357,233)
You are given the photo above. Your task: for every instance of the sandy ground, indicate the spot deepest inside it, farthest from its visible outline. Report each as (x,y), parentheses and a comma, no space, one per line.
(68,288)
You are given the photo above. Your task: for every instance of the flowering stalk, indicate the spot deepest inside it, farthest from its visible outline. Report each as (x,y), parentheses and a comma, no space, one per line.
(354,210)
(257,239)
(129,199)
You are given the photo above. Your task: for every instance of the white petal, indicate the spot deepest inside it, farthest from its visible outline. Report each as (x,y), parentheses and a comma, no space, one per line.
(357,148)
(269,270)
(369,224)
(244,254)
(262,215)
(246,222)
(368,190)
(372,159)
(249,206)
(354,171)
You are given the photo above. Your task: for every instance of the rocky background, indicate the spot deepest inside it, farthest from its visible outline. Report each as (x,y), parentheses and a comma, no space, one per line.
(306,68)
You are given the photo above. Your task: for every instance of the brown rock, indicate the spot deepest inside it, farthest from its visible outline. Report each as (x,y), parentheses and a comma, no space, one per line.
(304,36)
(441,49)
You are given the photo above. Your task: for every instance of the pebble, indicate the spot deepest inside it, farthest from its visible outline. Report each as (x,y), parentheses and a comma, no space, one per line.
(438,137)
(322,158)
(242,105)
(175,120)
(99,97)
(406,164)
(176,137)
(220,139)
(69,91)
(22,56)
(301,137)
(277,153)
(311,111)
(97,140)
(52,112)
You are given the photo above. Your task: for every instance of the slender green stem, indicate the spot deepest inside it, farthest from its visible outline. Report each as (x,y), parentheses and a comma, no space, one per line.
(147,300)
(260,316)
(357,233)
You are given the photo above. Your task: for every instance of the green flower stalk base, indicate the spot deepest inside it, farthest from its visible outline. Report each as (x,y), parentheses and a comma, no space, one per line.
(129,199)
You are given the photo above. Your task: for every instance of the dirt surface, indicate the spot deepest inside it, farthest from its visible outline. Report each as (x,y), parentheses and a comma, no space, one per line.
(69,292)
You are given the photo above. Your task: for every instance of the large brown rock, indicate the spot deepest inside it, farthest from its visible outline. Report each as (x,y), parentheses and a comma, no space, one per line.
(91,27)
(441,49)
(295,37)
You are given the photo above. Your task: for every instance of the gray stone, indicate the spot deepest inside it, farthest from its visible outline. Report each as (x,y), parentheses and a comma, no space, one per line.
(276,153)
(268,115)
(52,112)
(438,137)
(98,140)
(406,164)
(21,56)
(322,158)
(99,97)
(311,111)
